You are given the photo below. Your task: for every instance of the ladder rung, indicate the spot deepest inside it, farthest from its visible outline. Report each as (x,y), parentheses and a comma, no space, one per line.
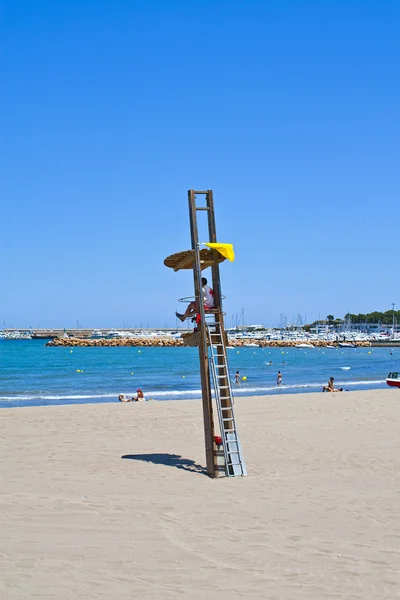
(227,419)
(224,387)
(219,354)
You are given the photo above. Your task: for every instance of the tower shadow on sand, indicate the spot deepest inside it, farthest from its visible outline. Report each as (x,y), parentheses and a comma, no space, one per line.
(169,460)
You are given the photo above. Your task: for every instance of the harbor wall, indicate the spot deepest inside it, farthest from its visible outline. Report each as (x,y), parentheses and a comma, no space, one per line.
(160,341)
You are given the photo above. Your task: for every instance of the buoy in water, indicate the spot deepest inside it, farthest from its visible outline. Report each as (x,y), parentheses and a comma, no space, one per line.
(244,378)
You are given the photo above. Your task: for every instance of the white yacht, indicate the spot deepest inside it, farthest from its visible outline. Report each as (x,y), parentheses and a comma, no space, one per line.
(16,335)
(113,334)
(97,335)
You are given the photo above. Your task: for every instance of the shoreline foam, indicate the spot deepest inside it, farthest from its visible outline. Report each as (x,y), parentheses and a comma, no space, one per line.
(169,395)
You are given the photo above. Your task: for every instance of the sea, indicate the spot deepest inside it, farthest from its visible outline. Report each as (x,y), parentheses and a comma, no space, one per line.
(33,374)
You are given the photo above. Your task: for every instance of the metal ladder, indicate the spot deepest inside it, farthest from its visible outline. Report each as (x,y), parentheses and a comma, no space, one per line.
(234,460)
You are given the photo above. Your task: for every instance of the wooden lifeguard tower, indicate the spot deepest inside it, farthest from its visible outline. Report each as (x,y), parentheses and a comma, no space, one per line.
(210,337)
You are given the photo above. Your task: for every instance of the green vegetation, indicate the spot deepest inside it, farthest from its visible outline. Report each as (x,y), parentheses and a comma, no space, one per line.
(385,318)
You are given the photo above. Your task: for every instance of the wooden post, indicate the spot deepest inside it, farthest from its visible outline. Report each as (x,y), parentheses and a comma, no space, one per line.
(203,351)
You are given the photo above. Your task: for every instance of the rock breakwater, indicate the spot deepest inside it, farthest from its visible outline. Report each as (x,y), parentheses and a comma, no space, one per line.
(174,342)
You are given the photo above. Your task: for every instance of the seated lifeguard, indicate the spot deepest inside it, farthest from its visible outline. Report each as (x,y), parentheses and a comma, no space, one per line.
(208,300)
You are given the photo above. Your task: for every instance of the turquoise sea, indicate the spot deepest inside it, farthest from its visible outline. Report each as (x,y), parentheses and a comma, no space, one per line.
(32,374)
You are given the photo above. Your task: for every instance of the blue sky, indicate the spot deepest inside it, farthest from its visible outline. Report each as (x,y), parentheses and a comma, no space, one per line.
(111,111)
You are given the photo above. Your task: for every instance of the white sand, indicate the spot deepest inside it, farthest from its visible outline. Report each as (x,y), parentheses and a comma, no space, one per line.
(317,518)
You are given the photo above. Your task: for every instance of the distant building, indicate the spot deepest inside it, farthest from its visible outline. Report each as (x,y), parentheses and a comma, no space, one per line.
(368,328)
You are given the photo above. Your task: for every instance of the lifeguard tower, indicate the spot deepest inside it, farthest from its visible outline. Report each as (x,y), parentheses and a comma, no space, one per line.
(210,337)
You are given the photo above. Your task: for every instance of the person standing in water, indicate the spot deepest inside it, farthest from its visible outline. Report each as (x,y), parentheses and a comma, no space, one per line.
(237,378)
(279,379)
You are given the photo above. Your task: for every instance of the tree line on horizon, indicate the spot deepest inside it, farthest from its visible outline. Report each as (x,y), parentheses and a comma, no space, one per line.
(385,318)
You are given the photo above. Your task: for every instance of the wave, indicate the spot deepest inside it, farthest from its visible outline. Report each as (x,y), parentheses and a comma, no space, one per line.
(57,397)
(171,394)
(246,390)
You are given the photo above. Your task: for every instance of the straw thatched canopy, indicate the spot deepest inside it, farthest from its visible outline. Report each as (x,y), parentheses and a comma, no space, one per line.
(185,259)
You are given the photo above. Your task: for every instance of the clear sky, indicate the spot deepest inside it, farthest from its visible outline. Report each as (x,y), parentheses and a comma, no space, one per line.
(112,110)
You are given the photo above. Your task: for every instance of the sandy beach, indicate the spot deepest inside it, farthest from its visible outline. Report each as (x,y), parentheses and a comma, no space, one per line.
(111,501)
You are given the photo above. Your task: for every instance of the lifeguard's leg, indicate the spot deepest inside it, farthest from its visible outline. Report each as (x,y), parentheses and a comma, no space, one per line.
(189,312)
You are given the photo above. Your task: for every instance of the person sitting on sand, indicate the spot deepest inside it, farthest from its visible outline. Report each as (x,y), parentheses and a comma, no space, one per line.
(123,398)
(139,396)
(208,300)
(331,387)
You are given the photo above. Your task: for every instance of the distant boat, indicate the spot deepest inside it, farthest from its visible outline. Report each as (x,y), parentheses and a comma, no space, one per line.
(304,346)
(97,334)
(346,345)
(113,334)
(15,335)
(393,379)
(250,345)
